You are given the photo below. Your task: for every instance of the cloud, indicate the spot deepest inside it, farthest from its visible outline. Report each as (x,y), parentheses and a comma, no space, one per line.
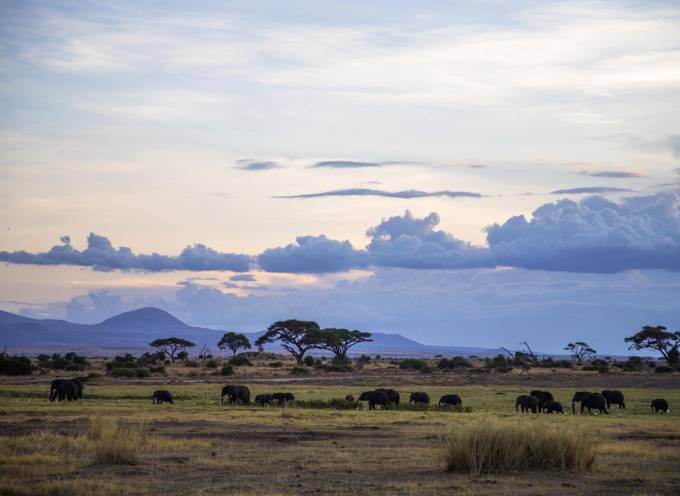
(253,165)
(612,174)
(589,190)
(243,277)
(101,255)
(351,164)
(409,242)
(312,254)
(594,235)
(407,194)
(677,170)
(478,166)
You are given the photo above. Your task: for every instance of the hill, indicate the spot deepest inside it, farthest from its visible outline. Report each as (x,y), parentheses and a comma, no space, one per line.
(132,331)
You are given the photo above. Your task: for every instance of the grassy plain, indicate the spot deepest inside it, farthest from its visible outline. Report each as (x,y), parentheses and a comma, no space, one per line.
(199,447)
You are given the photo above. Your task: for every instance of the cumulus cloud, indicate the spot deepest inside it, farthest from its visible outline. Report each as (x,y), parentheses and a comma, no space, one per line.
(351,164)
(100,254)
(407,194)
(612,174)
(589,190)
(312,254)
(409,242)
(254,165)
(594,235)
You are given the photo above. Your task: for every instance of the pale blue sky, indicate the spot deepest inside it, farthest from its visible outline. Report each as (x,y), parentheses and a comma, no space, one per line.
(161,125)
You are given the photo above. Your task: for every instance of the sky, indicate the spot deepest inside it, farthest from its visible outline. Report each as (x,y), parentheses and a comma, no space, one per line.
(463,173)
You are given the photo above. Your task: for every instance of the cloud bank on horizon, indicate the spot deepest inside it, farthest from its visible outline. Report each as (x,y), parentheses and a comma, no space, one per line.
(593,235)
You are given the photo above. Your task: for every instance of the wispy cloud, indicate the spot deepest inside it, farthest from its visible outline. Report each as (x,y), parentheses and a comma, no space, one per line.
(351,164)
(255,165)
(589,190)
(406,194)
(612,174)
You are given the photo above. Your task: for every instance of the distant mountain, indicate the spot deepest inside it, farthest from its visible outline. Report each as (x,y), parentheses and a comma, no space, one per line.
(133,331)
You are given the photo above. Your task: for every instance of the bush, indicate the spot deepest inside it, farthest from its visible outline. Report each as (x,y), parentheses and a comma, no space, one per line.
(15,365)
(239,361)
(114,445)
(496,446)
(94,375)
(227,370)
(157,370)
(275,365)
(212,364)
(414,364)
(142,373)
(663,369)
(454,363)
(70,361)
(191,363)
(335,367)
(300,371)
(309,361)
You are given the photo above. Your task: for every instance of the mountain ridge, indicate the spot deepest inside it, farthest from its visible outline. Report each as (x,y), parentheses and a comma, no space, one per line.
(135,329)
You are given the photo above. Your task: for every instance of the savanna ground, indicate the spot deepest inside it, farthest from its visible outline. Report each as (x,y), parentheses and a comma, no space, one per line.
(198,446)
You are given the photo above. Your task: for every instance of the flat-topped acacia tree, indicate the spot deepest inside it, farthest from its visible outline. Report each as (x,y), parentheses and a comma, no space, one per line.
(172,347)
(296,336)
(339,341)
(234,341)
(657,338)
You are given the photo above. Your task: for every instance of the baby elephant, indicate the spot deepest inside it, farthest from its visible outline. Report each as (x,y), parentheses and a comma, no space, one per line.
(263,399)
(660,405)
(161,396)
(552,407)
(349,398)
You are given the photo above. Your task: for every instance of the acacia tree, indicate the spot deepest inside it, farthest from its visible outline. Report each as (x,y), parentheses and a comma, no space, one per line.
(296,336)
(580,350)
(657,338)
(339,341)
(173,347)
(234,341)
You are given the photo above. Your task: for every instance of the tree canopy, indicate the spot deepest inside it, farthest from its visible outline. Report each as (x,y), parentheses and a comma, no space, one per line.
(339,341)
(234,341)
(172,347)
(580,350)
(657,338)
(295,336)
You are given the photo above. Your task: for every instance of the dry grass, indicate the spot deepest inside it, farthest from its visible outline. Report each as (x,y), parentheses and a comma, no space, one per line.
(492,445)
(116,445)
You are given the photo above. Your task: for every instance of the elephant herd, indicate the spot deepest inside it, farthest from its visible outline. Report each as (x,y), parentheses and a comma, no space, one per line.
(543,401)
(535,402)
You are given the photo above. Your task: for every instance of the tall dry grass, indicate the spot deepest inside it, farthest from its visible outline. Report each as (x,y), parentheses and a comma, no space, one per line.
(116,445)
(492,445)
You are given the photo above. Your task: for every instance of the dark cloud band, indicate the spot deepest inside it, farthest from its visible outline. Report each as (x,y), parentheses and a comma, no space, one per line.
(406,194)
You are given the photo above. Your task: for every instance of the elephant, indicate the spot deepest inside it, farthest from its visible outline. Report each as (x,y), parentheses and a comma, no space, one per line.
(161,396)
(578,397)
(660,405)
(349,398)
(614,398)
(375,398)
(66,389)
(392,395)
(527,403)
(542,397)
(594,401)
(417,397)
(450,399)
(235,394)
(552,407)
(263,399)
